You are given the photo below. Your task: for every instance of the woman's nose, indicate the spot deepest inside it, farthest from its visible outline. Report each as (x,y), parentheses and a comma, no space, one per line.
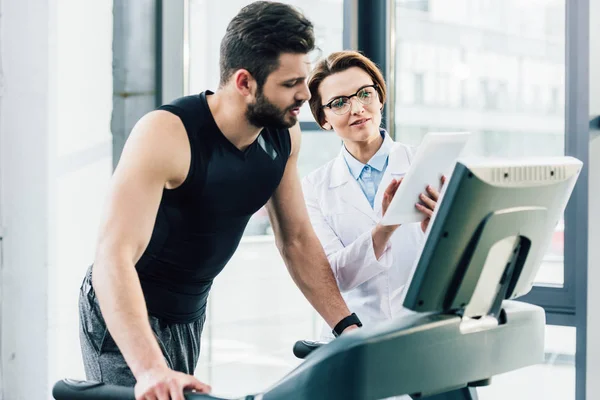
(356,106)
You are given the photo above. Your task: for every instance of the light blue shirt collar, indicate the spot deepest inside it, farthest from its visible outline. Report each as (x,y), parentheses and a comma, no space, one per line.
(378,161)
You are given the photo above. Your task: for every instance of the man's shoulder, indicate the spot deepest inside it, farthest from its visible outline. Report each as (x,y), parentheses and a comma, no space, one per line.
(193,112)
(192,105)
(156,145)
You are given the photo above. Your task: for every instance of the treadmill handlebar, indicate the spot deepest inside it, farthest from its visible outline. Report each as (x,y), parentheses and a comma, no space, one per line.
(70,389)
(302,348)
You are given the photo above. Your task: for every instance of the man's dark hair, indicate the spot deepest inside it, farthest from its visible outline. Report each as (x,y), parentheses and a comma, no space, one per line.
(258,34)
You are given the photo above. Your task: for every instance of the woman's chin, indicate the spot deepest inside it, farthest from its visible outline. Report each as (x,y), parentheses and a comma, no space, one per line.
(363,136)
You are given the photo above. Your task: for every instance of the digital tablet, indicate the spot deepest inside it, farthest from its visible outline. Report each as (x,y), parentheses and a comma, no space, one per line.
(435,157)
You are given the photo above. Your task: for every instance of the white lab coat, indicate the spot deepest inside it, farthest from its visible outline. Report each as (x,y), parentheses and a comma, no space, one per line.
(343,219)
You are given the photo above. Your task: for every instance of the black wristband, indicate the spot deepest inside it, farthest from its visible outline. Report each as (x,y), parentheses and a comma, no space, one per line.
(351,319)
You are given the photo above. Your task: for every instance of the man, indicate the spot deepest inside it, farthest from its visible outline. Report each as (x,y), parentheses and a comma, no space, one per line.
(190,176)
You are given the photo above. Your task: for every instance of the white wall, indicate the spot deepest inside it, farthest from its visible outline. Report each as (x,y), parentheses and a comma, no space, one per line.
(55,162)
(24,128)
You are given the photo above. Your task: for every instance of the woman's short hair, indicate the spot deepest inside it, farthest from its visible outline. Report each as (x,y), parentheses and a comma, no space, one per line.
(338,62)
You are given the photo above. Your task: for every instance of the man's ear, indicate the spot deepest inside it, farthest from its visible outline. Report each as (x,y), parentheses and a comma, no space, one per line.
(244,83)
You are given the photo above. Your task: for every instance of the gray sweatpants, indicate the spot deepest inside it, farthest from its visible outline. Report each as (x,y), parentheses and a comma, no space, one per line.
(102,360)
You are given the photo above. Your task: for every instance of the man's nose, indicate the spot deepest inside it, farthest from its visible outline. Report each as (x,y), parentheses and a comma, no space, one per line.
(304,93)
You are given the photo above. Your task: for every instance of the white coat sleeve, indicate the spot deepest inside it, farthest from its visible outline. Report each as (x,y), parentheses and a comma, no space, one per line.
(352,264)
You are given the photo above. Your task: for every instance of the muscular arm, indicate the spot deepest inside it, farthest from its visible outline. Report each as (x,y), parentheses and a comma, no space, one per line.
(155,156)
(300,247)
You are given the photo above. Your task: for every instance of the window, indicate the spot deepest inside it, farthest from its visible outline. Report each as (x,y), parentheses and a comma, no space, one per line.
(488,70)
(554,379)
(505,60)
(418,88)
(420,5)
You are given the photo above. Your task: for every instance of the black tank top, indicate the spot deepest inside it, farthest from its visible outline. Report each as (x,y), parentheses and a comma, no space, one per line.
(200,223)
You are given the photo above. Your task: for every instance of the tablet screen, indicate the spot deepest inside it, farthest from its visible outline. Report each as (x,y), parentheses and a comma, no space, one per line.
(435,157)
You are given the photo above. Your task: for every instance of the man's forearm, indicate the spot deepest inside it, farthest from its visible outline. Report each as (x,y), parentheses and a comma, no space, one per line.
(311,271)
(121,300)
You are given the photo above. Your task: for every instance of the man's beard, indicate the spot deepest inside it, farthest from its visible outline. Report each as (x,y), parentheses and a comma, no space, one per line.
(263,113)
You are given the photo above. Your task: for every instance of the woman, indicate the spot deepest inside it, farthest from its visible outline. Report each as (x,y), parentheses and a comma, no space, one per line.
(347,197)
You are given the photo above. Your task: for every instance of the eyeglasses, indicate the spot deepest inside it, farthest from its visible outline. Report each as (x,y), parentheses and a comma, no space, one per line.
(342,104)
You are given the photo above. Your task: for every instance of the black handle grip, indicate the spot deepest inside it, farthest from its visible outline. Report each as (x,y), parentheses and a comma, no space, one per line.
(302,348)
(69,389)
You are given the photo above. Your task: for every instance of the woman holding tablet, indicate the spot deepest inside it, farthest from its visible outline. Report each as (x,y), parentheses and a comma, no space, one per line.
(347,197)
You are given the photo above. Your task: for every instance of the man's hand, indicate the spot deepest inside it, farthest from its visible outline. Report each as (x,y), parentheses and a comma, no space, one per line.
(165,384)
(429,200)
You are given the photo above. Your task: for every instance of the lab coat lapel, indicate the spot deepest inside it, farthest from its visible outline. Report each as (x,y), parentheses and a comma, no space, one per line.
(343,185)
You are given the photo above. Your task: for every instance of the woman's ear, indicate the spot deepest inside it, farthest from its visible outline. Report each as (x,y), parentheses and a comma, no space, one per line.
(326,126)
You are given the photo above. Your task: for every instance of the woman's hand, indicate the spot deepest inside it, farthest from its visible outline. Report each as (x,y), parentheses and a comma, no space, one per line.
(389,193)
(382,233)
(428,203)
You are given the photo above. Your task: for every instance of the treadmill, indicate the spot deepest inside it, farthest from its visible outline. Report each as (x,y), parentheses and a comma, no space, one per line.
(484,246)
